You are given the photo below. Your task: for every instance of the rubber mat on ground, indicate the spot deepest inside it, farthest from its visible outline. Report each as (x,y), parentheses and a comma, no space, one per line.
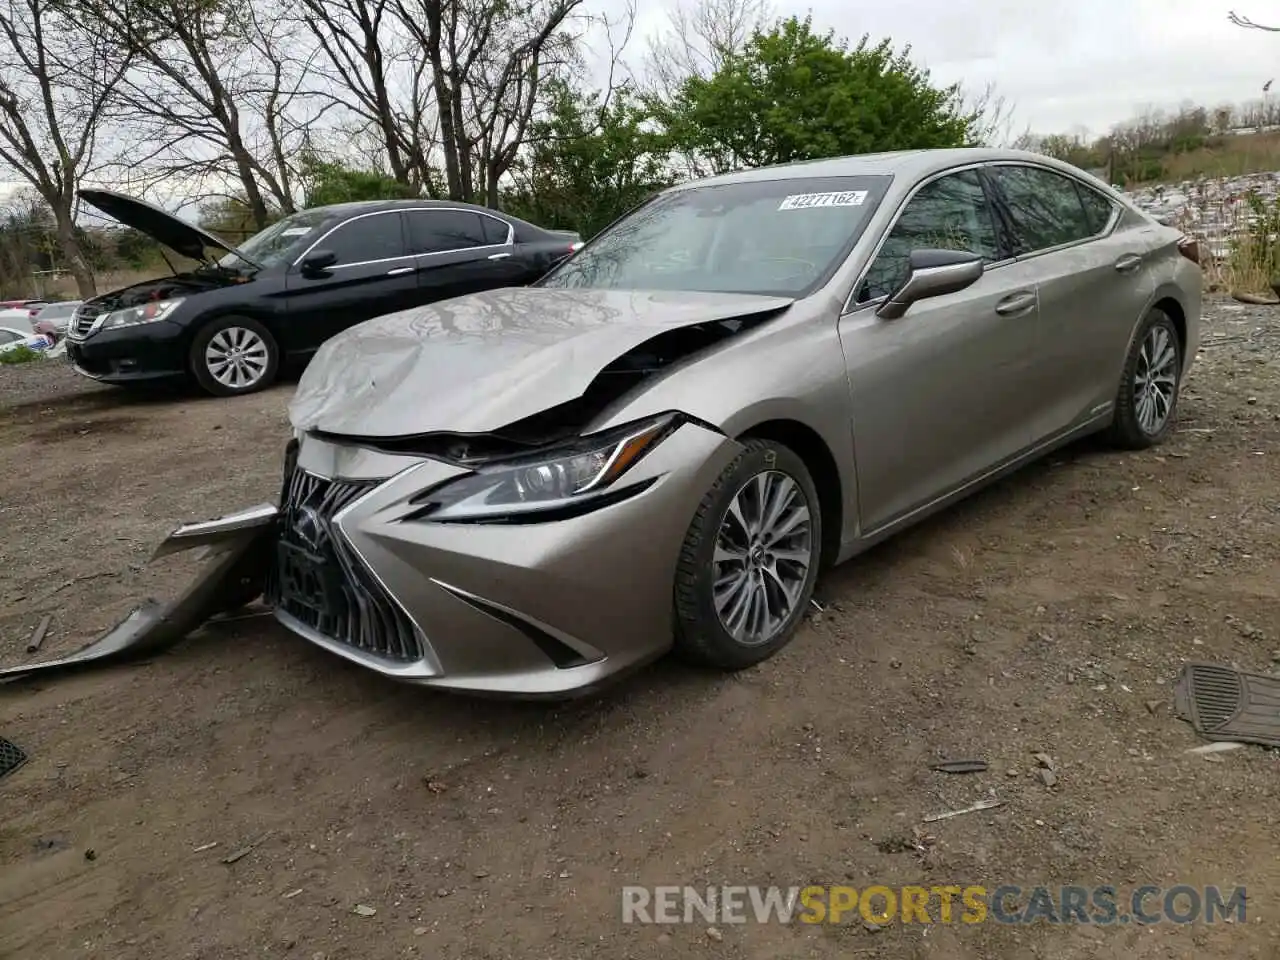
(11,756)
(1221,703)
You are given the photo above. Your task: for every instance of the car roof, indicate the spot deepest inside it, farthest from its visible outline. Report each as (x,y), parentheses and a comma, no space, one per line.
(909,164)
(353,207)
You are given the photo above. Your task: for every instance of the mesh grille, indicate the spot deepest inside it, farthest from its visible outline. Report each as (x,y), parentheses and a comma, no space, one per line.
(11,756)
(319,580)
(1216,691)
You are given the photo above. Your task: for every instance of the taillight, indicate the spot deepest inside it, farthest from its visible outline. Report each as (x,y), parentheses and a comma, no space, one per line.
(575,246)
(1189,247)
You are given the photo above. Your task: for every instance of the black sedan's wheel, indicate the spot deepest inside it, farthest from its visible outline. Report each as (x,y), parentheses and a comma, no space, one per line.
(234,355)
(749,560)
(1148,397)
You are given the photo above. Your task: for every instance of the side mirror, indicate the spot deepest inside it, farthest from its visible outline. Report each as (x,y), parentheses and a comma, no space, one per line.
(934,273)
(317,261)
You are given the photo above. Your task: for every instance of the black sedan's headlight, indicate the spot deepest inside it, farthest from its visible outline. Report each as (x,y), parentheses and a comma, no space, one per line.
(573,475)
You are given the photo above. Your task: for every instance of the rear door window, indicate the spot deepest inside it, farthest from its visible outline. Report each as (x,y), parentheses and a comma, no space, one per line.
(378,236)
(1096,207)
(1044,208)
(495,230)
(443,231)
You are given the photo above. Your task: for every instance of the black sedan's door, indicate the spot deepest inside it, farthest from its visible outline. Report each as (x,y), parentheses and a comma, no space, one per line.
(462,251)
(372,274)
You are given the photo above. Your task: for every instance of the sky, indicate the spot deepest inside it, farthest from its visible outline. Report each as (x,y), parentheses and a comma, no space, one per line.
(1078,66)
(1083,63)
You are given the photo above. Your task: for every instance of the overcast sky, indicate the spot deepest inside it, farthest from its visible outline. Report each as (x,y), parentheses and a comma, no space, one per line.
(1060,65)
(1092,63)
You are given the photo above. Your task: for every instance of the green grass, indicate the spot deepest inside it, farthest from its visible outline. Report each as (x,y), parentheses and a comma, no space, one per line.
(23,354)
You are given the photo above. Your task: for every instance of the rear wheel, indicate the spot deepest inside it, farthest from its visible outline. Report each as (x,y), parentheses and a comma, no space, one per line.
(1148,399)
(749,561)
(233,355)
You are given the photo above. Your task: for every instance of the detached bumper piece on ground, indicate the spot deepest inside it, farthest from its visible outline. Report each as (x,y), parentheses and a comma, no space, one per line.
(238,554)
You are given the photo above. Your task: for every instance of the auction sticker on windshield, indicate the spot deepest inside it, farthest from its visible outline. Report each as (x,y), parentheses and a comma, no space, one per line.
(803,201)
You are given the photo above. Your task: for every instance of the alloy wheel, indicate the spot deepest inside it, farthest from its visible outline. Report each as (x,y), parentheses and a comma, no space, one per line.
(236,357)
(1155,380)
(764,549)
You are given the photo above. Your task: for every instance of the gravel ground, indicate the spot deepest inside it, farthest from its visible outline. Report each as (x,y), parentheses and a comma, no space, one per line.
(1049,614)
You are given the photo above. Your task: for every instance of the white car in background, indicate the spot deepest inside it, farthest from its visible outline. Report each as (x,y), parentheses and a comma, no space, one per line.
(12,338)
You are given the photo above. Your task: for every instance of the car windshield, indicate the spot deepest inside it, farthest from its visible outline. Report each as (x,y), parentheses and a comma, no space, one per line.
(279,243)
(777,237)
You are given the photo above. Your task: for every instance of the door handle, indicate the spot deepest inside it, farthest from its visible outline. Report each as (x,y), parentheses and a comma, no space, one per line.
(1129,263)
(400,271)
(498,256)
(1016,303)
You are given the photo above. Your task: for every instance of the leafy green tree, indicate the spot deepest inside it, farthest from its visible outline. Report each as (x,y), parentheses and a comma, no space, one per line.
(590,160)
(329,182)
(794,94)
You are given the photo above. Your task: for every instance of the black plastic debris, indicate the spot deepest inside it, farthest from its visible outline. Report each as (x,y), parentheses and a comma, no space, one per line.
(11,756)
(960,766)
(1222,703)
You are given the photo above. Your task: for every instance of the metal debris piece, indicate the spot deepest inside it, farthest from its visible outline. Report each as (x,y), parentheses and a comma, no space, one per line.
(11,756)
(37,636)
(1225,704)
(960,766)
(986,804)
(205,846)
(232,577)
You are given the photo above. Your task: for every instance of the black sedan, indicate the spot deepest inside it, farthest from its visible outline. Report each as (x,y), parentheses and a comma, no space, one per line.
(231,322)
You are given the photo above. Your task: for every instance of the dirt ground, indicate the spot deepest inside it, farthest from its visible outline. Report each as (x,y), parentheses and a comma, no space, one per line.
(1049,614)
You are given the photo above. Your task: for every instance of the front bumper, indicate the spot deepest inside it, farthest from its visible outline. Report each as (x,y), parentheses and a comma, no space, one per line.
(530,609)
(153,351)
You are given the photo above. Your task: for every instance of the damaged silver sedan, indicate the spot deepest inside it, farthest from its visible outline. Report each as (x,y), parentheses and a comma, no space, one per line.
(527,491)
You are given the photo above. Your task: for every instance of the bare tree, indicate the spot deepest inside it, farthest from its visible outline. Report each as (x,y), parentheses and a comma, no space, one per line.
(1242,21)
(218,95)
(698,38)
(381,78)
(488,61)
(993,117)
(57,78)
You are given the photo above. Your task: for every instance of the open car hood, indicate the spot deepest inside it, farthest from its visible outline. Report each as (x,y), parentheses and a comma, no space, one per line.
(483,361)
(160,225)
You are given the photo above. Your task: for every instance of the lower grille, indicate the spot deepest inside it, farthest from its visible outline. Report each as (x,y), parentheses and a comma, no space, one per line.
(319,580)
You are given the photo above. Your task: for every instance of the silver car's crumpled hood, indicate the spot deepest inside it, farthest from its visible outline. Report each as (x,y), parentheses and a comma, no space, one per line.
(483,361)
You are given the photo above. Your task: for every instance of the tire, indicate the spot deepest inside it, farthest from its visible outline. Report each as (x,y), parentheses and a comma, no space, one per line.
(1132,428)
(259,359)
(702,634)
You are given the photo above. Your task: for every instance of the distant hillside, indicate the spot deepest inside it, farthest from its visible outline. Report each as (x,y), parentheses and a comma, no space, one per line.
(1159,147)
(1228,156)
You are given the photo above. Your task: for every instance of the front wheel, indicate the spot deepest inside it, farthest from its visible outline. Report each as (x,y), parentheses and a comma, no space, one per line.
(233,355)
(1148,396)
(749,561)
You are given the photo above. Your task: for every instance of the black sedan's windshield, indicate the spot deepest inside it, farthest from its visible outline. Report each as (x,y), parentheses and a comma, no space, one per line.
(778,237)
(281,242)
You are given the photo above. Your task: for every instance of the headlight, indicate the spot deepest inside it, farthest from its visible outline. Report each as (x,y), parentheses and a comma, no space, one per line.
(573,474)
(145,313)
